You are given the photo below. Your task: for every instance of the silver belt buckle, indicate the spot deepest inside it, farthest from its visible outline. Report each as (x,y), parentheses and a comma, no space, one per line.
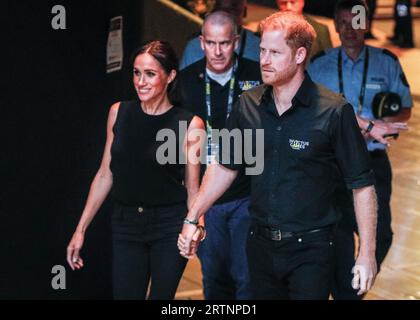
(276,235)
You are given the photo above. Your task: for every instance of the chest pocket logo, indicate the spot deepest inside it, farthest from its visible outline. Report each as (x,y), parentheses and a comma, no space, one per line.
(298,145)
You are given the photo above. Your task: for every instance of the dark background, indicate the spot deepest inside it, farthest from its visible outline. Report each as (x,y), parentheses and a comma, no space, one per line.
(54,100)
(317,7)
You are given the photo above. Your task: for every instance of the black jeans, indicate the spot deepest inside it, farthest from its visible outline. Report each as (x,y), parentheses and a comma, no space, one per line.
(145,249)
(298,268)
(345,247)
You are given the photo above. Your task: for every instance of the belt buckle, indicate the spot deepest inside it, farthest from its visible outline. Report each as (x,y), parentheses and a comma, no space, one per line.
(276,235)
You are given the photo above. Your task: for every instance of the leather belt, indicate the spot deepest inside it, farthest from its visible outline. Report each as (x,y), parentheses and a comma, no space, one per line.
(278,235)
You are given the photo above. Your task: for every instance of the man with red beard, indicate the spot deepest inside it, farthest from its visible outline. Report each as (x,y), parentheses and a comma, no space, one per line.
(311,140)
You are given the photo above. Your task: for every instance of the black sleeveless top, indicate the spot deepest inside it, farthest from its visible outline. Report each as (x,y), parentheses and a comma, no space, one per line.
(138,178)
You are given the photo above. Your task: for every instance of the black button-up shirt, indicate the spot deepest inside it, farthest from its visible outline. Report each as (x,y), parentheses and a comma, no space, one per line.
(308,150)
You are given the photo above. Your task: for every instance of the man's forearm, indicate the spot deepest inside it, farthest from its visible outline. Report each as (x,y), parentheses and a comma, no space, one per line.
(365,205)
(362,122)
(216,181)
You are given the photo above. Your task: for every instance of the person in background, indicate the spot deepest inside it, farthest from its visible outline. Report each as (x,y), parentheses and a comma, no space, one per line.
(403,29)
(362,74)
(210,87)
(323,39)
(249,43)
(199,7)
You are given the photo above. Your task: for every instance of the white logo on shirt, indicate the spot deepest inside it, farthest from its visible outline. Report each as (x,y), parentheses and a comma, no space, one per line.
(298,145)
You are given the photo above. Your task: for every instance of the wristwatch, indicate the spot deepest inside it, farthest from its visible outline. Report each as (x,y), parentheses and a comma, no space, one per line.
(188,221)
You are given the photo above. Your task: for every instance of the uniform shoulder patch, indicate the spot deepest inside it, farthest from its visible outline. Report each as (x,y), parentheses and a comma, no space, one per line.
(318,55)
(389,53)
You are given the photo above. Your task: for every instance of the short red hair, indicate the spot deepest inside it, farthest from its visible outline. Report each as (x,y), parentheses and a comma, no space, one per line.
(299,32)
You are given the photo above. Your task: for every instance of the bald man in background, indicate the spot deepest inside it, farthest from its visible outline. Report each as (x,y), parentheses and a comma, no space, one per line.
(249,43)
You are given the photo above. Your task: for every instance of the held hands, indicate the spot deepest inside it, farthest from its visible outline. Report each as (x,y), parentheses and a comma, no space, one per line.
(364,272)
(73,251)
(189,240)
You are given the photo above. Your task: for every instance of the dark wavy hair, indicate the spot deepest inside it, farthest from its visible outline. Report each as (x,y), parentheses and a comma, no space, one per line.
(163,52)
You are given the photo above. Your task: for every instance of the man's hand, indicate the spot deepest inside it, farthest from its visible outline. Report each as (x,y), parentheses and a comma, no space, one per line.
(188,240)
(364,272)
(381,128)
(366,207)
(216,181)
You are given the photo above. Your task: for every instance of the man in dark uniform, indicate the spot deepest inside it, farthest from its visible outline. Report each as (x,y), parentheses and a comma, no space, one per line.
(210,87)
(311,141)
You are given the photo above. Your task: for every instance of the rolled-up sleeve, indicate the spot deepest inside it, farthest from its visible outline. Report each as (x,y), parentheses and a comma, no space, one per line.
(350,149)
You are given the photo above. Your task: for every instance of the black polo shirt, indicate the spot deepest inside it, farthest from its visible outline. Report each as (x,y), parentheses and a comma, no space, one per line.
(192,84)
(307,152)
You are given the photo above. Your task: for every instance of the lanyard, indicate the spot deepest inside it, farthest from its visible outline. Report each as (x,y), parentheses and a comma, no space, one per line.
(365,71)
(212,147)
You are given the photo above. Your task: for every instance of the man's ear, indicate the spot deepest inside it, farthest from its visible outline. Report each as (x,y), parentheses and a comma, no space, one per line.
(301,54)
(202,42)
(236,40)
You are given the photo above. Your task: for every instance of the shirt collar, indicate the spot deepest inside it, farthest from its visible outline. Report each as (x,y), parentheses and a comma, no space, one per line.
(203,66)
(303,96)
(361,56)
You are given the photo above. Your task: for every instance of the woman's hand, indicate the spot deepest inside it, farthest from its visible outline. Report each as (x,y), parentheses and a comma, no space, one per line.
(73,250)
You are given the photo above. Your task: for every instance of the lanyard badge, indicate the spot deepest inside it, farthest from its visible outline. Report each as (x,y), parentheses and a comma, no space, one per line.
(212,145)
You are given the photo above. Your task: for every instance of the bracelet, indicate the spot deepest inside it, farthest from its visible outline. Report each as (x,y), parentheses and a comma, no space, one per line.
(188,221)
(370,126)
(203,230)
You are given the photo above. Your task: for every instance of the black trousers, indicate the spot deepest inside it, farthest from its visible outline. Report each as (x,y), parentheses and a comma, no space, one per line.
(298,268)
(145,251)
(345,247)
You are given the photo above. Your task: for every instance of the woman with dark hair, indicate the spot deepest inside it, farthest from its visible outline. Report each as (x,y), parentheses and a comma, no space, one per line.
(151,190)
